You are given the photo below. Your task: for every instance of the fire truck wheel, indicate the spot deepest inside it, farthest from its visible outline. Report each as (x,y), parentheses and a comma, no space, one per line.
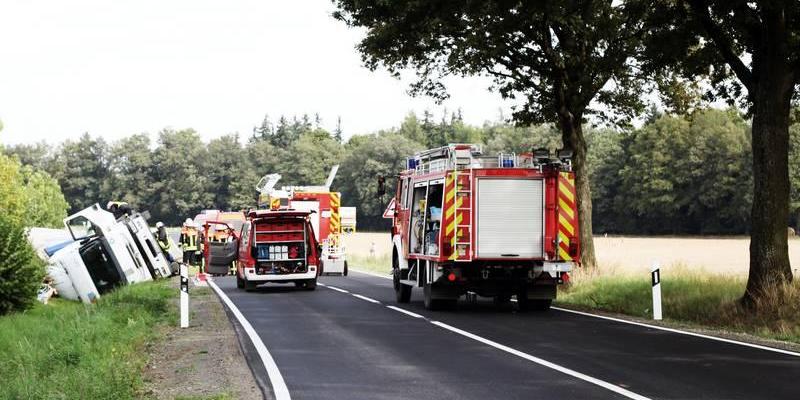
(541,304)
(308,284)
(239,282)
(502,300)
(402,292)
(249,286)
(344,271)
(432,303)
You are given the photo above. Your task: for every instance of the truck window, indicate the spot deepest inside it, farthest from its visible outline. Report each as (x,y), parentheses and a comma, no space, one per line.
(417,226)
(403,193)
(433,218)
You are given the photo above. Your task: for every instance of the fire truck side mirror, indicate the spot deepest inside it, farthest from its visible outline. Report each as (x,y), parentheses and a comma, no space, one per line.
(381,186)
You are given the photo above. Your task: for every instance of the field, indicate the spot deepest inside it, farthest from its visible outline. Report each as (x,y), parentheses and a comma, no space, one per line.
(626,255)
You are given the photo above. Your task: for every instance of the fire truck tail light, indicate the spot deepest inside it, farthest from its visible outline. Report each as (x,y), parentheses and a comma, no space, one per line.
(451,277)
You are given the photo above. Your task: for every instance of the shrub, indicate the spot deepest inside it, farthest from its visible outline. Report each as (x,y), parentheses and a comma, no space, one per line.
(21,271)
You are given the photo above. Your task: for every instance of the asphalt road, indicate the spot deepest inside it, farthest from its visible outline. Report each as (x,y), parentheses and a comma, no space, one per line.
(332,344)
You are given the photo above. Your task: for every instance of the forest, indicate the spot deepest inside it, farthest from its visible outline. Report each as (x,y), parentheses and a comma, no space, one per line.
(677,174)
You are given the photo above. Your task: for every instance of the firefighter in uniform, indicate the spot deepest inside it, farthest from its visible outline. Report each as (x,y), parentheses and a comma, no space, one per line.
(189,242)
(164,242)
(119,208)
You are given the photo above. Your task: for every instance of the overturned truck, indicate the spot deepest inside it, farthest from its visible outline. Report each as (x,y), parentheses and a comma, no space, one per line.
(105,253)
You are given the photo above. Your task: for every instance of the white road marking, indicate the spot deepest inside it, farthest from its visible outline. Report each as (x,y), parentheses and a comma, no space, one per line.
(700,335)
(545,363)
(406,312)
(276,379)
(337,289)
(365,298)
(673,330)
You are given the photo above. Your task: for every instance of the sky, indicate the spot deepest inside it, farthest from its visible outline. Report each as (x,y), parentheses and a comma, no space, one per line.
(115,68)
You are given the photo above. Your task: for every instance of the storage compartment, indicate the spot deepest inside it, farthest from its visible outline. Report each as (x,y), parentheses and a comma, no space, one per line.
(510,218)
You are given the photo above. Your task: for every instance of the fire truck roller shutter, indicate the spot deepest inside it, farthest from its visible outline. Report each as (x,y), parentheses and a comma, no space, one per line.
(510,218)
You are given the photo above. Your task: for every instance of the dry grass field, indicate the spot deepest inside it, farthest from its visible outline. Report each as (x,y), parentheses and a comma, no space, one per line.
(633,255)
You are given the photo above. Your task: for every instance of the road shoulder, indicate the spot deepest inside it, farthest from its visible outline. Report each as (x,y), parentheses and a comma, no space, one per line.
(204,360)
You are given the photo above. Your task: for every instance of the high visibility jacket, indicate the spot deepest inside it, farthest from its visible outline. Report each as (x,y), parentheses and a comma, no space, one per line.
(189,240)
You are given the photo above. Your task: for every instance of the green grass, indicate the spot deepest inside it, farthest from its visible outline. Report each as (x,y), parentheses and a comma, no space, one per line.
(381,264)
(69,350)
(694,298)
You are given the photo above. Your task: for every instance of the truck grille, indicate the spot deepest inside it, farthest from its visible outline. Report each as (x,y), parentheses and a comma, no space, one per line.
(510,218)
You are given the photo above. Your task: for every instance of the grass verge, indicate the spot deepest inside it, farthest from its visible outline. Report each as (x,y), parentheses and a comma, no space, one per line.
(690,297)
(72,350)
(380,264)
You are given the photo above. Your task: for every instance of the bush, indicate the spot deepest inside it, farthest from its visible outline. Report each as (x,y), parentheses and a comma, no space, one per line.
(21,271)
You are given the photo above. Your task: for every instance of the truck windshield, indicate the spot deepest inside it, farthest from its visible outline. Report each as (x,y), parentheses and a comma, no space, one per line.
(80,228)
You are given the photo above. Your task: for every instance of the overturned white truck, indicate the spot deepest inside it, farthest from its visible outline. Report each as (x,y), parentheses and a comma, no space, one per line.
(105,253)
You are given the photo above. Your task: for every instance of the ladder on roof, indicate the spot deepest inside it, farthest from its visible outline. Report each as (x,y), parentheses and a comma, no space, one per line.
(461,239)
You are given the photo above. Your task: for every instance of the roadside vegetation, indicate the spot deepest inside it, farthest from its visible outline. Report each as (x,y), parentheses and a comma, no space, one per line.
(71,350)
(691,297)
(380,264)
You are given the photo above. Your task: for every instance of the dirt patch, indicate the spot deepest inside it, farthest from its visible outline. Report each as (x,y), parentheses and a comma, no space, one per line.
(202,361)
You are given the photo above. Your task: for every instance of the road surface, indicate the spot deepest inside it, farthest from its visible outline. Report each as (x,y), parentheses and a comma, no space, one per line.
(345,341)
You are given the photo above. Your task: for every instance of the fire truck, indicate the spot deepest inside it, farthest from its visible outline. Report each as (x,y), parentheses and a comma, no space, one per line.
(488,225)
(324,207)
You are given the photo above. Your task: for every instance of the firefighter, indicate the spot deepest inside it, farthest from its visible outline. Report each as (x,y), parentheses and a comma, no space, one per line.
(189,241)
(164,242)
(119,208)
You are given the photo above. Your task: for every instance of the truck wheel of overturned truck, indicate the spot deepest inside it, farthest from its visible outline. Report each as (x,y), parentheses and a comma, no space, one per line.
(239,282)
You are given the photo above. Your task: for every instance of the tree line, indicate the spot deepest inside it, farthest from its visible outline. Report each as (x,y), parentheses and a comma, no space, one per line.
(676,174)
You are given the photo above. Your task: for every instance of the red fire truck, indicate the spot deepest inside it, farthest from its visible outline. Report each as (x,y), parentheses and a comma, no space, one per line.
(496,226)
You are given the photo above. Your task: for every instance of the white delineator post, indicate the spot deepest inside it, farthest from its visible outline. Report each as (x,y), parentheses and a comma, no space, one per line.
(655,276)
(184,296)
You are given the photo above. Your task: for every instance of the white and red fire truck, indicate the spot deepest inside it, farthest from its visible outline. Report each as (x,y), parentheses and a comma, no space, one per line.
(496,226)
(324,207)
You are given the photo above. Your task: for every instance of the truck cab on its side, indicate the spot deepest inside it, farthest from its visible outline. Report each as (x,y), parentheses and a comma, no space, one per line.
(277,246)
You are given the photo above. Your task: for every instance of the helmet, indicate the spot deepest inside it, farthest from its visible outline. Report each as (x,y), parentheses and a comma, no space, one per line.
(159,224)
(188,222)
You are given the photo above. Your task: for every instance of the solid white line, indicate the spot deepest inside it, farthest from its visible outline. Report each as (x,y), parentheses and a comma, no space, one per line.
(700,335)
(279,388)
(545,363)
(406,312)
(337,289)
(365,298)
(673,330)
(384,276)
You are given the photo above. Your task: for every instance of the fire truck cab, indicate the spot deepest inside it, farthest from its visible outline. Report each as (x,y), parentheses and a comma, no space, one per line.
(494,226)
(277,246)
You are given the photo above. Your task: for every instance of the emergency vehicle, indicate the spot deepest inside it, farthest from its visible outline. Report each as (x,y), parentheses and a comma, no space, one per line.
(324,207)
(497,226)
(276,246)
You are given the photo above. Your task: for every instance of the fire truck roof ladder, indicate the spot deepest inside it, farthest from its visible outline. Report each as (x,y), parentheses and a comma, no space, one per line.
(455,155)
(464,210)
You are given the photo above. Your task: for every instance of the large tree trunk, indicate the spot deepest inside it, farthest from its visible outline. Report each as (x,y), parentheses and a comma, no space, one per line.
(771,94)
(572,136)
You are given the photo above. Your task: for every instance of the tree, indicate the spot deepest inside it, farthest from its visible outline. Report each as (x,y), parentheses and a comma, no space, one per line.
(367,158)
(130,163)
(21,271)
(81,168)
(558,57)
(221,167)
(337,132)
(179,180)
(750,51)
(45,205)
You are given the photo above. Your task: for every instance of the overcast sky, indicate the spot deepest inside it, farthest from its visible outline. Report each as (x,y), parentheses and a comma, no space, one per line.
(114,68)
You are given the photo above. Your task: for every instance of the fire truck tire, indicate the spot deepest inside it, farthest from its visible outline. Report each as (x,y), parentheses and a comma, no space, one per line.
(434,304)
(502,300)
(239,282)
(402,292)
(249,286)
(307,284)
(344,271)
(526,304)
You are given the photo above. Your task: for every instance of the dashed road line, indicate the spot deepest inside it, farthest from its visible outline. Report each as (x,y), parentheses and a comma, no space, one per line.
(598,382)
(279,388)
(662,328)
